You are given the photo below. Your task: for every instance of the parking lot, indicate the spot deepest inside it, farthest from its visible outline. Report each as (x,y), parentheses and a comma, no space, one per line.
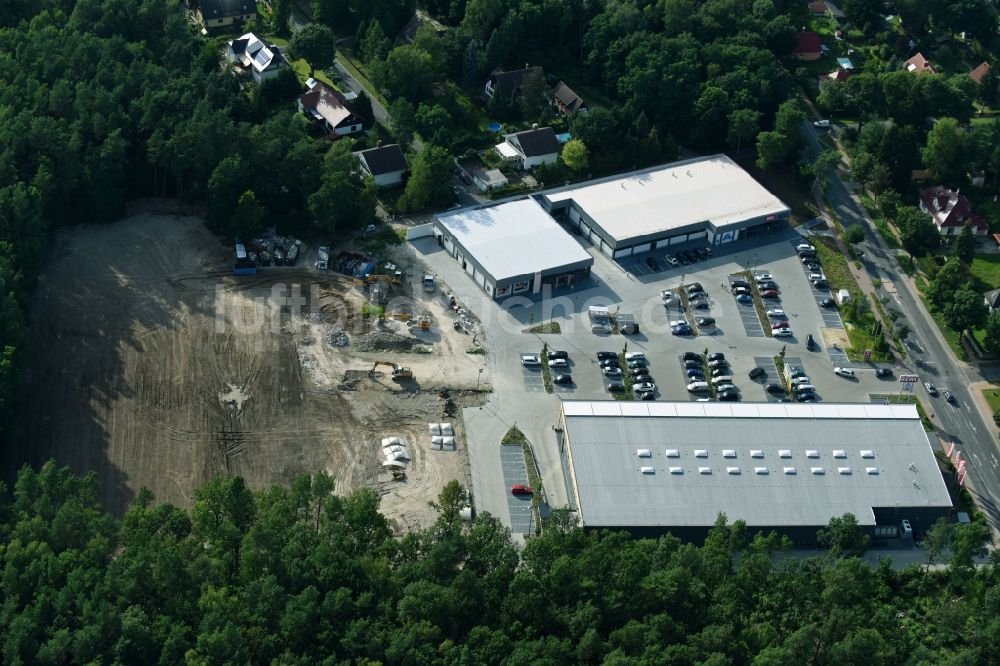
(515,471)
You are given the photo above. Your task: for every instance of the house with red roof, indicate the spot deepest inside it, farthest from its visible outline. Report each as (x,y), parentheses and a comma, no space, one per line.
(980,72)
(918,64)
(950,210)
(807,46)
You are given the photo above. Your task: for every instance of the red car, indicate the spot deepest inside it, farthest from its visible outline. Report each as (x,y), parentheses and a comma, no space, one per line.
(521,489)
(769,293)
(779,324)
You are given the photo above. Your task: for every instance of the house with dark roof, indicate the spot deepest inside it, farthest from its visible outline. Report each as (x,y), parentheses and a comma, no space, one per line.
(818,8)
(251,55)
(419,19)
(328,110)
(566,101)
(807,46)
(530,148)
(509,83)
(980,72)
(992,300)
(950,210)
(918,64)
(216,15)
(385,164)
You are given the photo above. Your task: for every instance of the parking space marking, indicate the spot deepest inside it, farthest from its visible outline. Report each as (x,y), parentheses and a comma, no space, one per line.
(516,471)
(533,380)
(831,317)
(748,315)
(839,357)
(772,376)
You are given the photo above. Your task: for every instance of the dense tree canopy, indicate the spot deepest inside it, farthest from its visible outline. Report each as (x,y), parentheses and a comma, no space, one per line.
(302,576)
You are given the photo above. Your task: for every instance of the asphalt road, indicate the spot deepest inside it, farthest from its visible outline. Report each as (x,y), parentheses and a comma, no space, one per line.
(928,355)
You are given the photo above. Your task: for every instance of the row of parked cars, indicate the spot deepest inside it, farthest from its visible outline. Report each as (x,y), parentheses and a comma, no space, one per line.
(558,361)
(720,375)
(636,371)
(807,255)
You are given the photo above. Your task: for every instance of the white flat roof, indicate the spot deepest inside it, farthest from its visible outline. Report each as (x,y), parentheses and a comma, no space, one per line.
(706,189)
(770,464)
(514,238)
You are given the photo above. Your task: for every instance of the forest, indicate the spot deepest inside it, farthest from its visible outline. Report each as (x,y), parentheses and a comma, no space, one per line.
(302,576)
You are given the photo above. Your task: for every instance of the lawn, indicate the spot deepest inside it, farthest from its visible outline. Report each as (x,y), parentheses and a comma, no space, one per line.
(992,398)
(950,336)
(354,69)
(986,271)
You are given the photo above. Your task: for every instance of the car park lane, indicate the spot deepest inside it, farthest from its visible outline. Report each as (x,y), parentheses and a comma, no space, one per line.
(516,471)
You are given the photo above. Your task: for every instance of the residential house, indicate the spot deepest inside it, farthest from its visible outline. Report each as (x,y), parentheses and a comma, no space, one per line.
(950,210)
(328,109)
(918,64)
(980,72)
(250,54)
(216,15)
(509,83)
(488,180)
(818,8)
(807,46)
(385,164)
(419,19)
(840,75)
(566,101)
(992,299)
(530,148)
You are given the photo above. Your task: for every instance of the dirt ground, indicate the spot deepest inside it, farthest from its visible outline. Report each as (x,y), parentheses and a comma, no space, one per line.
(155,367)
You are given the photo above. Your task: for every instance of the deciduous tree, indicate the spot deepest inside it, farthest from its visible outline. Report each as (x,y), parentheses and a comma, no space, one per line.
(575,155)
(315,43)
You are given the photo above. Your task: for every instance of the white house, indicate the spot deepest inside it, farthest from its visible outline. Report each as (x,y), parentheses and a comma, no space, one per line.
(530,148)
(261,59)
(328,109)
(385,164)
(217,15)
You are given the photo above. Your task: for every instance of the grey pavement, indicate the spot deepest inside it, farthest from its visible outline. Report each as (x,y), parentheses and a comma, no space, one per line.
(963,422)
(516,471)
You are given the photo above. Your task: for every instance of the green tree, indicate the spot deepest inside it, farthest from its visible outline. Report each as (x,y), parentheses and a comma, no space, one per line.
(843,537)
(248,217)
(429,183)
(863,13)
(992,327)
(375,45)
(282,14)
(534,102)
(917,232)
(772,149)
(965,244)
(315,43)
(404,120)
(744,124)
(949,279)
(407,72)
(434,123)
(944,155)
(854,234)
(965,310)
(575,155)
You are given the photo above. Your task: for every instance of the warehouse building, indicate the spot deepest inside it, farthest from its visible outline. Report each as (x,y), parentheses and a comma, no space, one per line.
(512,248)
(708,199)
(653,468)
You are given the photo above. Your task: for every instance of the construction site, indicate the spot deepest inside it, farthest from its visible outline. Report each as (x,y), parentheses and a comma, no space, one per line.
(156,367)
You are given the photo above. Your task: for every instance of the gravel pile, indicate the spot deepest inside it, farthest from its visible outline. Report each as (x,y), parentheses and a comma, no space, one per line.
(383,341)
(337,338)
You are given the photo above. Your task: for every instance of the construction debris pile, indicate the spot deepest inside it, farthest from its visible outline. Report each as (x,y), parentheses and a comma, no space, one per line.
(385,341)
(337,338)
(442,436)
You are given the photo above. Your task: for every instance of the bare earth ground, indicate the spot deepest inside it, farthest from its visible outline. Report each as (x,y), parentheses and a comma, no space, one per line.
(134,375)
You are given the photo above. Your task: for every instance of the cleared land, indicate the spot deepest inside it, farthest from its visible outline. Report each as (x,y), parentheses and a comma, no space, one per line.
(155,367)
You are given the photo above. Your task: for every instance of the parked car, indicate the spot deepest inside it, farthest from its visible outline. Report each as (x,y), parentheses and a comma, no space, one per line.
(776,312)
(696,294)
(821,124)
(767,284)
(681,330)
(708,251)
(736,282)
(725,387)
(882,373)
(692,356)
(716,356)
(640,372)
(668,296)
(782,332)
(530,360)
(699,304)
(652,263)
(645,395)
(769,293)
(720,371)
(763,277)
(632,355)
(672,260)
(706,322)
(692,363)
(739,291)
(801,380)
(695,372)
(812,265)
(644,386)
(781,323)
(843,372)
(616,387)
(702,253)
(810,343)
(605,355)
(757,372)
(558,354)
(612,372)
(816,276)
(728,396)
(637,363)
(697,387)
(693,287)
(718,363)
(805,396)
(774,388)
(744,298)
(948,396)
(608,363)
(681,258)
(794,371)
(828,303)
(464,177)
(821,284)
(558,363)
(805,247)
(931,389)
(562,379)
(521,489)
(691,256)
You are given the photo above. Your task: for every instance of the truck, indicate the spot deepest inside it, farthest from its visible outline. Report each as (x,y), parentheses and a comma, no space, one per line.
(323,258)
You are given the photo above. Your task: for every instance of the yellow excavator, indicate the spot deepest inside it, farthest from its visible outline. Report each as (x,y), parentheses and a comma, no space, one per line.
(371,279)
(398,373)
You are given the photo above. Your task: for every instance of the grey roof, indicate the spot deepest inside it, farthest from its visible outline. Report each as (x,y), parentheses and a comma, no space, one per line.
(537,142)
(383,160)
(510,82)
(565,95)
(993,298)
(744,447)
(216,9)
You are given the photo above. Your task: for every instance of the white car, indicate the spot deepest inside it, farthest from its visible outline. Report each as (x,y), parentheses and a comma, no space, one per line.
(679,322)
(558,363)
(725,387)
(782,332)
(644,386)
(844,372)
(805,247)
(668,296)
(530,360)
(764,277)
(612,372)
(816,276)
(821,124)
(776,312)
(631,356)
(697,387)
(801,379)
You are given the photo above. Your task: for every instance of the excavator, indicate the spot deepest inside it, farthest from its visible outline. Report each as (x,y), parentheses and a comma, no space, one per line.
(398,373)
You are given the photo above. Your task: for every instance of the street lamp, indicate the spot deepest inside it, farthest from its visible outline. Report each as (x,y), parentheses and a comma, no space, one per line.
(479,378)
